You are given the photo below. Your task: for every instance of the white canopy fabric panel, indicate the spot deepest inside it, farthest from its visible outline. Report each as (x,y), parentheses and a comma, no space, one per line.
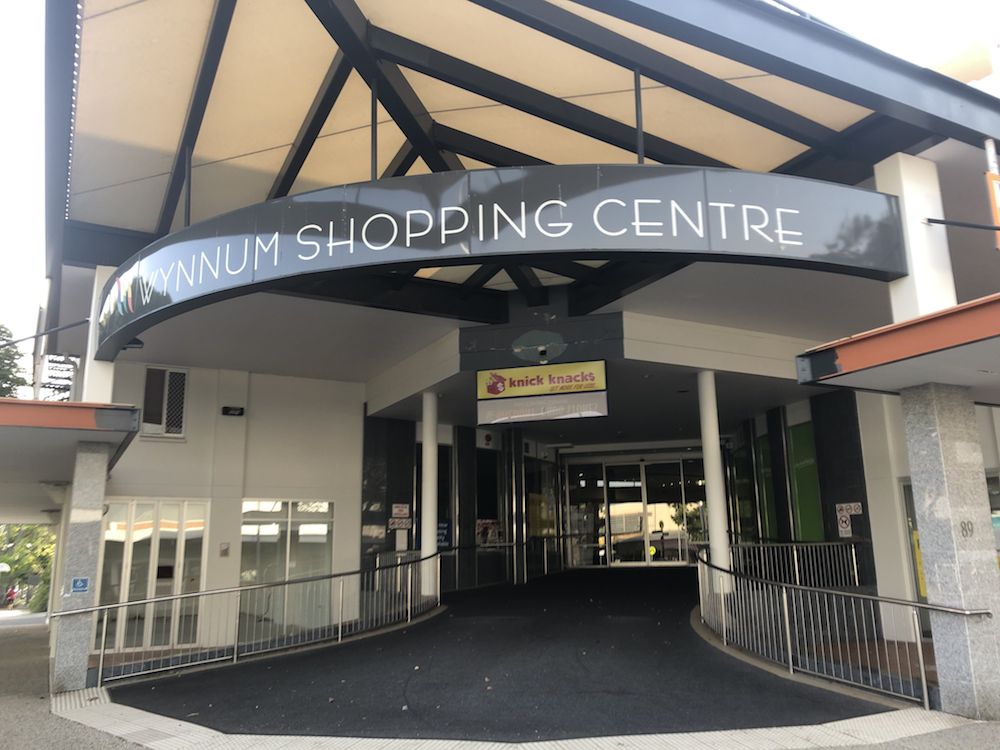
(138,63)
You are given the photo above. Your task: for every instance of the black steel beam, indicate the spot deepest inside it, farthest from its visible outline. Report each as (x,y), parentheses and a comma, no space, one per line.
(402,161)
(602,42)
(528,284)
(218,29)
(568,268)
(615,280)
(861,146)
(483,82)
(88,245)
(481,276)
(329,90)
(481,149)
(821,58)
(419,296)
(348,26)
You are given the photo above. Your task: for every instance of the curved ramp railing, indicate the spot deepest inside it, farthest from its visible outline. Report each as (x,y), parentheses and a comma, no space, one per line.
(170,632)
(872,642)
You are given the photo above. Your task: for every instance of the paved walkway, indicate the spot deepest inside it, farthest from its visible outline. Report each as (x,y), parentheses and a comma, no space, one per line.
(101,723)
(25,720)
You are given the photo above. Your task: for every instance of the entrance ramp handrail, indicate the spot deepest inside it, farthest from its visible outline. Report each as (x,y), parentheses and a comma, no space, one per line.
(821,564)
(169,632)
(869,641)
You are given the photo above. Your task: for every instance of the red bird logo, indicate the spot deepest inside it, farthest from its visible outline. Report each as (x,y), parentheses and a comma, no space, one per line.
(496,385)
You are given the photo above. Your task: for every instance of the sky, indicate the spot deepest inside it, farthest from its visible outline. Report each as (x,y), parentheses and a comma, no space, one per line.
(927,33)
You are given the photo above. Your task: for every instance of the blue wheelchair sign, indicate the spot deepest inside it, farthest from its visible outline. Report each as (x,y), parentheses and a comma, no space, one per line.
(80,585)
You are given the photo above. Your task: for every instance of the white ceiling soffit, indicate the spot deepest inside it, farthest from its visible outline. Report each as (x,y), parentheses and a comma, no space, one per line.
(760,298)
(138,63)
(280,334)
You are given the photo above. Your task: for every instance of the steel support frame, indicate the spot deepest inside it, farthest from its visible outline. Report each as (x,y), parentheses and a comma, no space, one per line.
(218,30)
(349,28)
(482,82)
(322,104)
(819,57)
(602,42)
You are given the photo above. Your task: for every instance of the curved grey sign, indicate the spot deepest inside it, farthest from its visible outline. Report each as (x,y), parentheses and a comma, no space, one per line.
(462,218)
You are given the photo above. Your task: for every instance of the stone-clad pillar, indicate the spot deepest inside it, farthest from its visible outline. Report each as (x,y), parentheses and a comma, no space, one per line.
(73,635)
(957,544)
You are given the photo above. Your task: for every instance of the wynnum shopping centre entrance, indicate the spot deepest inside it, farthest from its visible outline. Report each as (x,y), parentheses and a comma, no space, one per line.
(412,312)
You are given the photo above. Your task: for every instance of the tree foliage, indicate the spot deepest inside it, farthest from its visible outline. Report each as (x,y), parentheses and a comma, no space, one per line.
(27,549)
(10,371)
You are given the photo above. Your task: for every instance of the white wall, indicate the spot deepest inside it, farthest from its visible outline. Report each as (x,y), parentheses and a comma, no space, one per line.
(299,439)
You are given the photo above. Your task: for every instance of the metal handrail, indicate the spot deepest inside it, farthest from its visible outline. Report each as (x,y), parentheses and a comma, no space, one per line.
(856,595)
(232,589)
(775,543)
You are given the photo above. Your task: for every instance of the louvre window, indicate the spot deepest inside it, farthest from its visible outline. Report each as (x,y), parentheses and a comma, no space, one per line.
(163,402)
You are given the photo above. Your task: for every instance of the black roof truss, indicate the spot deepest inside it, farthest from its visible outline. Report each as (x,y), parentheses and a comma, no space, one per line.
(329,90)
(218,29)
(349,28)
(485,83)
(604,43)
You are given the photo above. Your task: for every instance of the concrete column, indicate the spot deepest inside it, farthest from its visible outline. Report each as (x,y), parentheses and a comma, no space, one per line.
(956,539)
(930,285)
(429,491)
(98,377)
(715,484)
(72,636)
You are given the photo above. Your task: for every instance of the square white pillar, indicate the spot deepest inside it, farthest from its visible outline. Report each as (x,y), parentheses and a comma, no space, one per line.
(930,285)
(98,376)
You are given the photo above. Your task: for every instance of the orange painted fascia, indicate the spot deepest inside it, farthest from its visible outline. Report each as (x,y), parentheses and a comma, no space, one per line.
(55,414)
(967,323)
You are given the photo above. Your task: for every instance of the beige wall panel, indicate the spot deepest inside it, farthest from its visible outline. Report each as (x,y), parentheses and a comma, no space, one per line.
(508,48)
(133,205)
(469,163)
(93,8)
(275,57)
(711,63)
(304,441)
(711,131)
(420,167)
(233,183)
(353,108)
(438,96)
(168,467)
(343,158)
(137,69)
(830,111)
(534,136)
(822,108)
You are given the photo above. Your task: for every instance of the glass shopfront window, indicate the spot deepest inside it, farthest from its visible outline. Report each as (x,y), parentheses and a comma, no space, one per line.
(285,540)
(152,548)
